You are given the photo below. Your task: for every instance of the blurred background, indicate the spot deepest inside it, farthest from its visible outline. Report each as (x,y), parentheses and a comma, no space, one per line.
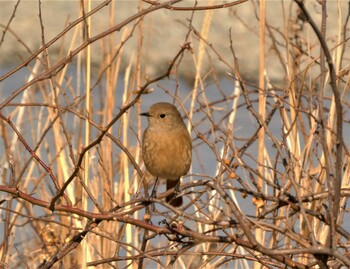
(164,31)
(254,88)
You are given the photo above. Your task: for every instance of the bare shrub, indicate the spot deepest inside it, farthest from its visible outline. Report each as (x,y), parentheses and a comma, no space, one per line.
(270,176)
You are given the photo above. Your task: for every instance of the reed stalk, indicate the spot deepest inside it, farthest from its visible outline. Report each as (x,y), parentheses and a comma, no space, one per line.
(269,182)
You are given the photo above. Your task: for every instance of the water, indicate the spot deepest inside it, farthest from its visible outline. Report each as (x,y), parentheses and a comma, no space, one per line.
(205,162)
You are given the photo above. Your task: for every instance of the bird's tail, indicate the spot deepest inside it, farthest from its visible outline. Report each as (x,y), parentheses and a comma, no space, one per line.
(172,199)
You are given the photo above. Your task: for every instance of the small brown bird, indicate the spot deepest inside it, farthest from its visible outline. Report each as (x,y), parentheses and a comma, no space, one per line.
(167,147)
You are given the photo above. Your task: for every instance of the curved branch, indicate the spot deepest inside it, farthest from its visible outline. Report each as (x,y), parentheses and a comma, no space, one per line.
(196,8)
(339,114)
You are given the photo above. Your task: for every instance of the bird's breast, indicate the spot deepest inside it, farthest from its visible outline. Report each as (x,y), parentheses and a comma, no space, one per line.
(167,154)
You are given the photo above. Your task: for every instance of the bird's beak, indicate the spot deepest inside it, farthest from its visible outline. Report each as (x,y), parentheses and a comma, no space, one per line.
(146,114)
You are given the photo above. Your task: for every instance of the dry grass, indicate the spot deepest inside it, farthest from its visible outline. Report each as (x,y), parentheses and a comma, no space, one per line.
(270,177)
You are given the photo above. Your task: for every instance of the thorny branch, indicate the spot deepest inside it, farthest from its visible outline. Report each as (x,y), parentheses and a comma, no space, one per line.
(339,143)
(214,220)
(113,121)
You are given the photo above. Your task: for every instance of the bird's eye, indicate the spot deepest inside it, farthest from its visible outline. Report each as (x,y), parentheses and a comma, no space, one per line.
(162,116)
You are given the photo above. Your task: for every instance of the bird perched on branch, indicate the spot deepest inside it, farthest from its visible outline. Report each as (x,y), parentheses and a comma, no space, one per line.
(167,147)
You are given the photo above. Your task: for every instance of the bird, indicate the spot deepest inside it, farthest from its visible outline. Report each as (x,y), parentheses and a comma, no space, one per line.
(167,147)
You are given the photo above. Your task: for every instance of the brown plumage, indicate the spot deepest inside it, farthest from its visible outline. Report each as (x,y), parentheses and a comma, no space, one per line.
(167,147)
